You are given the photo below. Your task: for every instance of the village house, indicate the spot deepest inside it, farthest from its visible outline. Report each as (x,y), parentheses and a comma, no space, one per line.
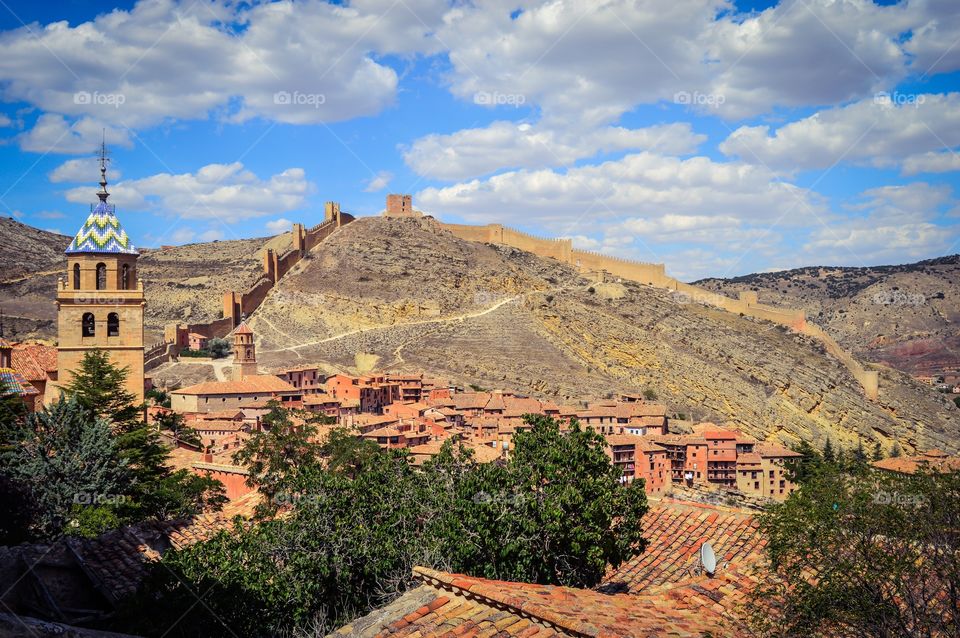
(197,341)
(222,395)
(12,383)
(371,392)
(37,364)
(308,379)
(929,461)
(639,458)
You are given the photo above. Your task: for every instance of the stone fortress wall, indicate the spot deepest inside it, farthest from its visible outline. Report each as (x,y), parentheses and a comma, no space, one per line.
(594,264)
(591,264)
(239,303)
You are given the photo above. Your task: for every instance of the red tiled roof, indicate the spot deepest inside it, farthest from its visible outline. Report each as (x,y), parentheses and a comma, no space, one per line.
(243,329)
(676,530)
(253,384)
(33,360)
(767,450)
(457,605)
(931,460)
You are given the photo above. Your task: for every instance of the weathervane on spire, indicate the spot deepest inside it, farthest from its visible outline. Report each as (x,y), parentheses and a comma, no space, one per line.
(102,193)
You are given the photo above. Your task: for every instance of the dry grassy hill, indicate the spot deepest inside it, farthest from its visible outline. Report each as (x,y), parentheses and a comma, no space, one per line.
(404,294)
(905,316)
(182,282)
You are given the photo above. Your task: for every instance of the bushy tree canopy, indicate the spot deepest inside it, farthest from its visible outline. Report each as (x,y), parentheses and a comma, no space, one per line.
(356,519)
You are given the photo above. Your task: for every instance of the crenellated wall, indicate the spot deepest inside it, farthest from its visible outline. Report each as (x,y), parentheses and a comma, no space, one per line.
(237,304)
(592,263)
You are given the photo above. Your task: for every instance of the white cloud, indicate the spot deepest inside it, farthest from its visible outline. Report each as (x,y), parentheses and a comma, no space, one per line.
(307,62)
(931,162)
(49,214)
(182,235)
(378,182)
(84,169)
(53,134)
(479,151)
(5,121)
(590,62)
(896,224)
(211,235)
(226,192)
(278,226)
(878,132)
(643,185)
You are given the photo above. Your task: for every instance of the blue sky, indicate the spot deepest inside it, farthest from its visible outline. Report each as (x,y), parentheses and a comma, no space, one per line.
(718,138)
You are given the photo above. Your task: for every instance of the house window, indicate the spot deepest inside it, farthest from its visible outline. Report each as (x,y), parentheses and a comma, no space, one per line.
(113,325)
(88,325)
(76,276)
(101,276)
(125,277)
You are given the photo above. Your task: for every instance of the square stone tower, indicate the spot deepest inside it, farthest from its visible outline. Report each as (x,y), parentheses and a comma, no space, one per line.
(100,303)
(244,352)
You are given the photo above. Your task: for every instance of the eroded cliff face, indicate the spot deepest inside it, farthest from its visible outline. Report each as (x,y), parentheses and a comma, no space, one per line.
(907,316)
(404,294)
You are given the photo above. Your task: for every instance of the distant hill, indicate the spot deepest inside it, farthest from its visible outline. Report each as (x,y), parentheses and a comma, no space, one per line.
(182,282)
(906,316)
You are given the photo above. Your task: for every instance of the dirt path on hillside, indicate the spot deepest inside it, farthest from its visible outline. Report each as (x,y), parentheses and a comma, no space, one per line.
(441,320)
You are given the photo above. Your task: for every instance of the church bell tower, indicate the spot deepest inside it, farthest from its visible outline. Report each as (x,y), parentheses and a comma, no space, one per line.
(244,352)
(100,303)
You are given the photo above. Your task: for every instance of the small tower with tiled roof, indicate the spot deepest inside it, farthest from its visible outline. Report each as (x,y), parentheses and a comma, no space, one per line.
(244,351)
(100,303)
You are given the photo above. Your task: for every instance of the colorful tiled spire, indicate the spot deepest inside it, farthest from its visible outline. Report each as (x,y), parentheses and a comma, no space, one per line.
(102,232)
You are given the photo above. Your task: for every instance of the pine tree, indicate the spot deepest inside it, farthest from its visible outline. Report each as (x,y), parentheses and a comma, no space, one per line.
(66,457)
(98,386)
(156,490)
(895,452)
(829,456)
(877,452)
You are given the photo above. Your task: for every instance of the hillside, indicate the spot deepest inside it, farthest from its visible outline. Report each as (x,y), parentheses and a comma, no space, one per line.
(904,316)
(404,294)
(182,282)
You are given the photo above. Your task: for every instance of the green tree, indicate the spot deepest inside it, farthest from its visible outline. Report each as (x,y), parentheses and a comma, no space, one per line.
(801,469)
(155,490)
(67,457)
(159,397)
(175,424)
(356,519)
(829,456)
(275,455)
(219,348)
(649,395)
(98,385)
(895,451)
(872,555)
(877,452)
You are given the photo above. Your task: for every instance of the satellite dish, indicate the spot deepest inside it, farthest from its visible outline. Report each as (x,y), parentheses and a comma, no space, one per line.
(708,559)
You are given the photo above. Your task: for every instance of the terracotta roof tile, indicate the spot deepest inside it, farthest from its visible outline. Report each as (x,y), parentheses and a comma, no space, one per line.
(259,383)
(33,360)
